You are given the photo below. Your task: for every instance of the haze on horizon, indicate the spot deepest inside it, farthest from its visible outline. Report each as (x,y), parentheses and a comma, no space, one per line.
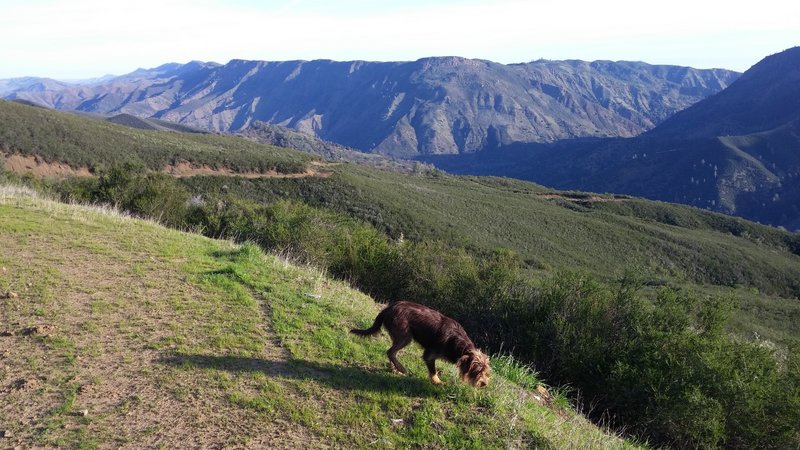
(90,38)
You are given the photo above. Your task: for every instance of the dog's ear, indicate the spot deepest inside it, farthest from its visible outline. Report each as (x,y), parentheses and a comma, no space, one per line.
(479,364)
(463,365)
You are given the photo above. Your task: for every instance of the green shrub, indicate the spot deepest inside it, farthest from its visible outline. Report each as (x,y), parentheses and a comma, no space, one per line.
(665,371)
(147,194)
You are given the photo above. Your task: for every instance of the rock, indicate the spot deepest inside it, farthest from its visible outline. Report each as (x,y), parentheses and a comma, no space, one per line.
(83,412)
(42,330)
(25,385)
(544,397)
(7,433)
(10,294)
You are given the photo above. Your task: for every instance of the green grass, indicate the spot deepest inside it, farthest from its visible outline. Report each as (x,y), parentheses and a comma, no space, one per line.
(204,343)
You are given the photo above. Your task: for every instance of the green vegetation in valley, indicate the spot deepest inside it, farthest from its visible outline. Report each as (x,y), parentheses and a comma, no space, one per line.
(549,230)
(603,235)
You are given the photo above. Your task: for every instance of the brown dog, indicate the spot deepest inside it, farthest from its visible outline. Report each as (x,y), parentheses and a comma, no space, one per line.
(439,335)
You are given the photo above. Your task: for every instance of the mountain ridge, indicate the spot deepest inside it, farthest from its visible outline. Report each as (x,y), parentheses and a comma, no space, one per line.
(435,105)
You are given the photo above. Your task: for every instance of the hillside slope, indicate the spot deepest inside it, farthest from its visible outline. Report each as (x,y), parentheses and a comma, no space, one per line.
(87,143)
(121,333)
(441,105)
(30,84)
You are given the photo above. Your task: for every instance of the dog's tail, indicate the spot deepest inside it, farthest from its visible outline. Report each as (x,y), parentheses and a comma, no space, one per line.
(376,327)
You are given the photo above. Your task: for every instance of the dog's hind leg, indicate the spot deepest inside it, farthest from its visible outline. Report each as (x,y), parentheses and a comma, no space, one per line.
(430,361)
(398,343)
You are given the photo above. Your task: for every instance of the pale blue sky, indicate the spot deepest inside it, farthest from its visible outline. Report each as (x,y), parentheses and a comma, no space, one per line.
(89,38)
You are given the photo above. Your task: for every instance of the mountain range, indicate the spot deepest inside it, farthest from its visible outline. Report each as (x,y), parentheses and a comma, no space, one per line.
(736,152)
(714,139)
(442,105)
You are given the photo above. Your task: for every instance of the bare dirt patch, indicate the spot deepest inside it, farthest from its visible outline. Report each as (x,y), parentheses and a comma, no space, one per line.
(583,198)
(37,165)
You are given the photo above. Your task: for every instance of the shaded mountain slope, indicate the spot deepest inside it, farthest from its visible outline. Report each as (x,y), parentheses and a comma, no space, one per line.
(765,97)
(736,152)
(150,124)
(279,136)
(441,105)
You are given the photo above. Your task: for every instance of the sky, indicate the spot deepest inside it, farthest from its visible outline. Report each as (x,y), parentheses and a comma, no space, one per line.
(78,39)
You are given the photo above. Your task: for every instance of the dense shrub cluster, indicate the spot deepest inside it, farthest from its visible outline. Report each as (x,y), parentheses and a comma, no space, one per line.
(662,369)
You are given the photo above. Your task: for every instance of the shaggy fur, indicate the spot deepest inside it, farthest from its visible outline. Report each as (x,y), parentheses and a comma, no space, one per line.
(440,336)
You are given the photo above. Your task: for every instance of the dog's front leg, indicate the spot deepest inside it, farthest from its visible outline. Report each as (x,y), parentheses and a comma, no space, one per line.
(430,361)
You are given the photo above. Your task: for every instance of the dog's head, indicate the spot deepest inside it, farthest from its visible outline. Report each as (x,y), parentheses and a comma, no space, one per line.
(474,368)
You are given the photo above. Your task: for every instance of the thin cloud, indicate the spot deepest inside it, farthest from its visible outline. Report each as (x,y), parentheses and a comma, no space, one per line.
(92,37)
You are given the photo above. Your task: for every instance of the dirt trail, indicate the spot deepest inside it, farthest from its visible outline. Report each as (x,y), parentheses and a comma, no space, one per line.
(38,166)
(187,169)
(583,198)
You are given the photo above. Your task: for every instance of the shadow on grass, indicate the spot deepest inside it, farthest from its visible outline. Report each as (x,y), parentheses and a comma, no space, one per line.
(229,255)
(334,376)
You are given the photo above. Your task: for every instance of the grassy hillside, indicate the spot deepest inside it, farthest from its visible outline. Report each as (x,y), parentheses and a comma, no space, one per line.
(549,229)
(78,141)
(126,334)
